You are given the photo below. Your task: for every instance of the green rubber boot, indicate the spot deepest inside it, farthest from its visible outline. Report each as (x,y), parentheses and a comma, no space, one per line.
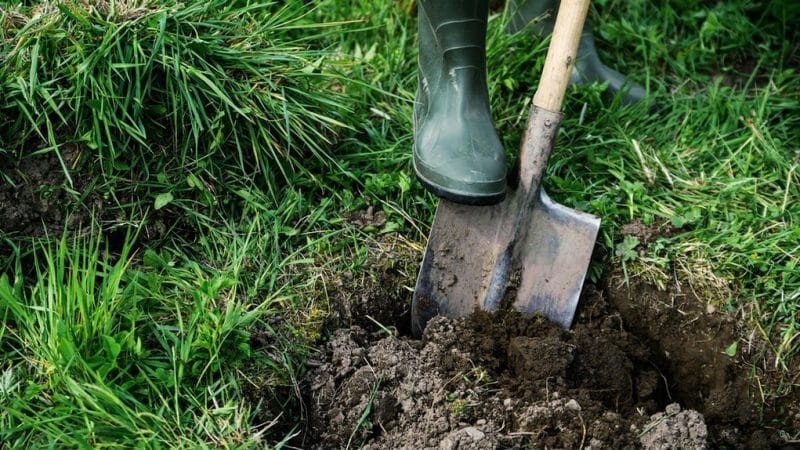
(588,67)
(457,153)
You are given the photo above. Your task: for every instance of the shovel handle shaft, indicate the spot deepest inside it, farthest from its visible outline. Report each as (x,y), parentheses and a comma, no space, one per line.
(561,55)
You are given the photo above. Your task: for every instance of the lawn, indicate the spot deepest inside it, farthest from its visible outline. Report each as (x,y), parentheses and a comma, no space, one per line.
(189,191)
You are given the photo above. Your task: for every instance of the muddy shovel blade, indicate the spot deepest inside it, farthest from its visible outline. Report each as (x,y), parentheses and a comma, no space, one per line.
(554,257)
(459,261)
(476,260)
(527,251)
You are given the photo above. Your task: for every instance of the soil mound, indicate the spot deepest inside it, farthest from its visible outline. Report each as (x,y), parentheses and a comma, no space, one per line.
(632,373)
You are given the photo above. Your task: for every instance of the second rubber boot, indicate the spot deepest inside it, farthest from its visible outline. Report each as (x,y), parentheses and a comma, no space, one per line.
(588,67)
(457,153)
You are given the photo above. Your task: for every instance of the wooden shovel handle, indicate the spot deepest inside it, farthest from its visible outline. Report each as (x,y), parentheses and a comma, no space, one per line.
(561,54)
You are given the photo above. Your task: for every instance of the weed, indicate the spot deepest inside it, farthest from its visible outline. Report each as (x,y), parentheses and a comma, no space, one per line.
(458,407)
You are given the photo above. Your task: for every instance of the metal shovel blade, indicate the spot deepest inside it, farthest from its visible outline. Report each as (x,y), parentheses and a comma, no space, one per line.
(554,258)
(527,251)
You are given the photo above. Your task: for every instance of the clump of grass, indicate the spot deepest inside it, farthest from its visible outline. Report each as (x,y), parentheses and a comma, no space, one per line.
(197,84)
(107,347)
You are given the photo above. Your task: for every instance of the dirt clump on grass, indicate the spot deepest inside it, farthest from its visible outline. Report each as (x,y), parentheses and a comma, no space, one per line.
(39,198)
(622,377)
(35,197)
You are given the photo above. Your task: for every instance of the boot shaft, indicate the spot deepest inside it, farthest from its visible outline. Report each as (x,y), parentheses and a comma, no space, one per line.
(457,153)
(454,22)
(452,53)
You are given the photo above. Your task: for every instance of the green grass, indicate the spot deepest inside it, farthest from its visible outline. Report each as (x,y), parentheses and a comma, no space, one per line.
(717,162)
(246,130)
(98,353)
(153,350)
(161,88)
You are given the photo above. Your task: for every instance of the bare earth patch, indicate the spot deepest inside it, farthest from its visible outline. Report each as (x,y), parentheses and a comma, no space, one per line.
(640,369)
(34,199)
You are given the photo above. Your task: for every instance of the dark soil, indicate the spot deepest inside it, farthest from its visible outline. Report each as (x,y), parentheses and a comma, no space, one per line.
(641,368)
(36,199)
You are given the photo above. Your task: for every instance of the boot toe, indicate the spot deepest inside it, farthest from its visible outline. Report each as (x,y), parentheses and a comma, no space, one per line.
(468,192)
(462,179)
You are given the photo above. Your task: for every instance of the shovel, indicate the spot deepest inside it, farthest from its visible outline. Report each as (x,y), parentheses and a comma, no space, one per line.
(526,252)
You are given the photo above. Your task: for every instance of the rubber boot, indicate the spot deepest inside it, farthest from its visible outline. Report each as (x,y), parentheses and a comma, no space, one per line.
(457,153)
(588,67)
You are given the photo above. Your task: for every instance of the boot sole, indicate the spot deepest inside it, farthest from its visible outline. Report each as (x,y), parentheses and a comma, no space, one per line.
(465,198)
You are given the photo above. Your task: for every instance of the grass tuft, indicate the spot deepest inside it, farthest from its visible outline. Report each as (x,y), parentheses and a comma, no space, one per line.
(198,83)
(98,352)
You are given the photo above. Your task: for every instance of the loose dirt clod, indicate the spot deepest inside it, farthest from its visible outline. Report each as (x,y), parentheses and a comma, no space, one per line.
(486,382)
(675,429)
